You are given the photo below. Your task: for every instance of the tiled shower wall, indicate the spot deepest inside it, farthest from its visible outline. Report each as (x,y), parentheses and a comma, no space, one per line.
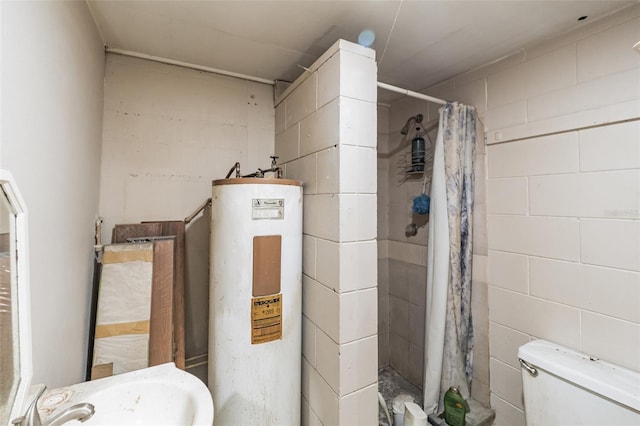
(325,136)
(402,259)
(563,128)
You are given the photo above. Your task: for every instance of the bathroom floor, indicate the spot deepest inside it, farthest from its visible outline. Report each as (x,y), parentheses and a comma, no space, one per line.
(392,384)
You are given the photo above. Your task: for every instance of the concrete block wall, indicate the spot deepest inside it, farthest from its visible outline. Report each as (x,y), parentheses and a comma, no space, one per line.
(326,137)
(168,133)
(563,134)
(401,308)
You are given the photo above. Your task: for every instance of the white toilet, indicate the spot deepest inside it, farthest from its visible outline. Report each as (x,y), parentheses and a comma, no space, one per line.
(563,387)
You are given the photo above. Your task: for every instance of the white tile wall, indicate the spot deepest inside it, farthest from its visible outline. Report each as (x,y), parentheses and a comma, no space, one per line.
(399,317)
(309,256)
(322,400)
(287,144)
(329,80)
(504,344)
(554,237)
(563,200)
(508,115)
(358,364)
(309,340)
(506,414)
(535,317)
(328,263)
(507,196)
(305,170)
(610,194)
(563,121)
(280,118)
(552,71)
(357,122)
(358,315)
(614,243)
(358,78)
(328,360)
(328,140)
(612,45)
(358,217)
(302,101)
(536,156)
(320,216)
(319,130)
(399,356)
(610,147)
(581,286)
(356,271)
(506,380)
(321,306)
(611,339)
(607,90)
(355,408)
(361,178)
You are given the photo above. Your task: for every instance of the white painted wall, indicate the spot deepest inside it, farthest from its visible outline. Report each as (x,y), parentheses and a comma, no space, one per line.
(52,74)
(168,133)
(325,133)
(563,209)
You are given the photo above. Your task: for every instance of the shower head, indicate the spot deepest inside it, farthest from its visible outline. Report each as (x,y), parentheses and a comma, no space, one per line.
(418,119)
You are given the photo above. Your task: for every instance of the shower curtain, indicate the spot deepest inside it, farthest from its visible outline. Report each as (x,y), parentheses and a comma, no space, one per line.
(448,326)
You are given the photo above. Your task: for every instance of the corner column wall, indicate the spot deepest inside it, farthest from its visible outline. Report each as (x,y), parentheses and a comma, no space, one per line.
(326,137)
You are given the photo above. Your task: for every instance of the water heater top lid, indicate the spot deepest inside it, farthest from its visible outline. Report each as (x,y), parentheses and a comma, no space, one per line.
(616,383)
(259,181)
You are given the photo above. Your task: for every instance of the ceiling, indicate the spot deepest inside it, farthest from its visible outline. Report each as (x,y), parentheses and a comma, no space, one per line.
(417,43)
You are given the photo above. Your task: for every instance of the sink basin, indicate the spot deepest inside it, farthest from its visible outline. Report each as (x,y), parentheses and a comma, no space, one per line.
(160,395)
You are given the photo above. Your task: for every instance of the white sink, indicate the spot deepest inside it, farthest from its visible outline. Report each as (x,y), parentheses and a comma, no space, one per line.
(160,395)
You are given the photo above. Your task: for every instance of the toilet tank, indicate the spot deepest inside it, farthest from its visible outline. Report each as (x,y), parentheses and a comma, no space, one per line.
(564,387)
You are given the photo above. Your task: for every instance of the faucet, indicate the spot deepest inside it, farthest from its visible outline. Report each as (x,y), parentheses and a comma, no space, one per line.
(274,167)
(79,412)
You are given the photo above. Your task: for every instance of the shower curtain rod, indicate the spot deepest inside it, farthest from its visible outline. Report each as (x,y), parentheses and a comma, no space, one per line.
(411,93)
(139,55)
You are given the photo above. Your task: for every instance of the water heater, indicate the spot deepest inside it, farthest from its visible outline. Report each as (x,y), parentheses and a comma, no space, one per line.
(255,317)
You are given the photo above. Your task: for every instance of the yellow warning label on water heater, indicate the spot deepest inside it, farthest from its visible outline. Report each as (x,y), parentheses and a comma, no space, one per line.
(266,318)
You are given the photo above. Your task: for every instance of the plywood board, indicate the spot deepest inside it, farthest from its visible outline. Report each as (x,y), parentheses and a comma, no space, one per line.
(137,230)
(157,229)
(266,264)
(102,370)
(177,229)
(161,324)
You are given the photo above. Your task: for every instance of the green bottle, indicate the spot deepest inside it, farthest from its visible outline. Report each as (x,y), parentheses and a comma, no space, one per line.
(454,407)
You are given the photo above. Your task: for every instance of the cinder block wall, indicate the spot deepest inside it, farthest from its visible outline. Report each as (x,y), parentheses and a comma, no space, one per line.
(168,133)
(326,137)
(563,135)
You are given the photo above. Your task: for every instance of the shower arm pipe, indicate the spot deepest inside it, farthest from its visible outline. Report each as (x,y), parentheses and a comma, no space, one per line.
(411,93)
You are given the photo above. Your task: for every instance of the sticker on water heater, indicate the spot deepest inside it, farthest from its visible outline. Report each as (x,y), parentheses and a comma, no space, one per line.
(267,208)
(266,318)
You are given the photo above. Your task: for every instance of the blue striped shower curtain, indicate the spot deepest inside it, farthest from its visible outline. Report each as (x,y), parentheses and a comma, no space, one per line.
(448,327)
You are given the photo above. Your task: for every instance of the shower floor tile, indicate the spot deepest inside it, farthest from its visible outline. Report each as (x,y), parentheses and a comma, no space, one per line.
(392,384)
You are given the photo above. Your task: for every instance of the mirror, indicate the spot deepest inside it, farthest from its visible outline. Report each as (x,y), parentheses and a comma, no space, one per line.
(15,345)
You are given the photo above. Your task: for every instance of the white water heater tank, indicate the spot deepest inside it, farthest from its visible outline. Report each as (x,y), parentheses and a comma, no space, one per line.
(255,313)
